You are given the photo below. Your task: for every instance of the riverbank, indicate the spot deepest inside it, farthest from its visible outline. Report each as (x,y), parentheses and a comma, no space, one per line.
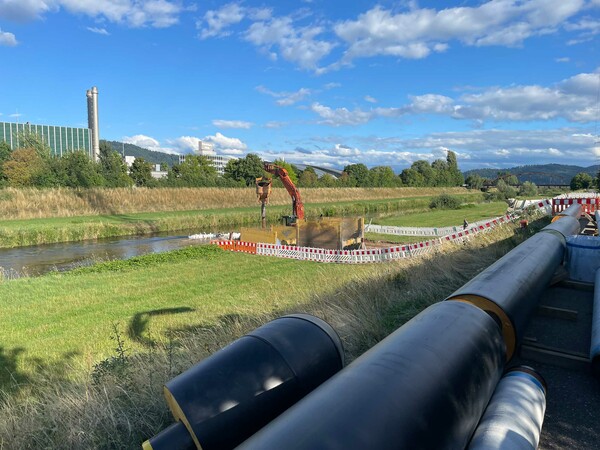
(166,312)
(23,232)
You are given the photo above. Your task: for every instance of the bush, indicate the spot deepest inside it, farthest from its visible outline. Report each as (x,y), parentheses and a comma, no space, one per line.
(444,201)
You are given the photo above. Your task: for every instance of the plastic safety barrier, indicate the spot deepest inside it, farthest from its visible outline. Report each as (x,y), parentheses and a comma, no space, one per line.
(379,255)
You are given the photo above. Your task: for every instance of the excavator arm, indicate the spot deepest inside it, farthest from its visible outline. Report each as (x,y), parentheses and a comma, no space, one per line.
(297,205)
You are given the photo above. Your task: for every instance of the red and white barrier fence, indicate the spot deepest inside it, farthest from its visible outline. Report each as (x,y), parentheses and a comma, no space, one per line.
(544,206)
(363,256)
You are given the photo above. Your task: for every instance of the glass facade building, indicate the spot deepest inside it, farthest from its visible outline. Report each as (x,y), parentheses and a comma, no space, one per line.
(61,140)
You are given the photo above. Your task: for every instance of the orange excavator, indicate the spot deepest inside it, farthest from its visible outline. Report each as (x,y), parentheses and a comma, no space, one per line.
(282,174)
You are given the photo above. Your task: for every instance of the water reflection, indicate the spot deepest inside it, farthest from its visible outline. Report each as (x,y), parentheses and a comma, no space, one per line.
(39,259)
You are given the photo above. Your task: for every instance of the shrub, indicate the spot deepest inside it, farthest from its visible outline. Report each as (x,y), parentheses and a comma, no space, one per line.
(444,201)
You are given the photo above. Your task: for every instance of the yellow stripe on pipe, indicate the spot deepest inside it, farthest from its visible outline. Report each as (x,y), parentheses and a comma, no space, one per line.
(508,330)
(178,415)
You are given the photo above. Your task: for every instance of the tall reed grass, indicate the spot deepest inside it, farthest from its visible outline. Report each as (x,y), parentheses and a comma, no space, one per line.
(63,202)
(123,407)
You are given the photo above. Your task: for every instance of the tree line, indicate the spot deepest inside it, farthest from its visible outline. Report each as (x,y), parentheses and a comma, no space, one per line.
(33,165)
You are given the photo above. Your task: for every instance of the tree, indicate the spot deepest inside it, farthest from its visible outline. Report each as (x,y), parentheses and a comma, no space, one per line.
(195,171)
(291,169)
(505,190)
(528,189)
(358,174)
(81,171)
(247,169)
(581,181)
(5,152)
(507,177)
(113,168)
(413,178)
(456,176)
(141,172)
(308,178)
(327,180)
(23,167)
(426,171)
(382,176)
(442,174)
(474,181)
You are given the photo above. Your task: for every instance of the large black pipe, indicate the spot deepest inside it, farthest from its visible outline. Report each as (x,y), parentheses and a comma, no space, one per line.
(510,288)
(595,344)
(424,387)
(229,396)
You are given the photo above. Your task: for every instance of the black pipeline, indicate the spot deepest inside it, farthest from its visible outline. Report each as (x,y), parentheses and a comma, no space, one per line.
(510,288)
(227,397)
(595,344)
(424,386)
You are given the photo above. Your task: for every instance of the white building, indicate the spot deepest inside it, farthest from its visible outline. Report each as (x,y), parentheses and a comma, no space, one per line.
(207,149)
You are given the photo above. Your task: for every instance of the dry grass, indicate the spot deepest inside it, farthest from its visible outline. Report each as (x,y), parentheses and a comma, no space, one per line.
(124,407)
(63,202)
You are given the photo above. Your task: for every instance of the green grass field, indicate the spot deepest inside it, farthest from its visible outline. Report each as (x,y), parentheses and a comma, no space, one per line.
(68,317)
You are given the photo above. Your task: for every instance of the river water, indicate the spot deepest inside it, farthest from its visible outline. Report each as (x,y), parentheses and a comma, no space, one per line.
(39,259)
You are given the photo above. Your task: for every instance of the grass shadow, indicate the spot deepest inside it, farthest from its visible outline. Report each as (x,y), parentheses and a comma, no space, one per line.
(138,325)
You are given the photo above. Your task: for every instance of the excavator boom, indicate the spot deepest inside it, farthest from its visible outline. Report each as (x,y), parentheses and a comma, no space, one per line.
(297,205)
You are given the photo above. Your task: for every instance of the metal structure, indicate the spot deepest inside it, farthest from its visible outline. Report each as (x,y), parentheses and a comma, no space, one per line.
(93,124)
(573,210)
(263,191)
(282,174)
(513,419)
(229,396)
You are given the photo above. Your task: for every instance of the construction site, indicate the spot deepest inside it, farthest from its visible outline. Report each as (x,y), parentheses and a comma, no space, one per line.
(510,360)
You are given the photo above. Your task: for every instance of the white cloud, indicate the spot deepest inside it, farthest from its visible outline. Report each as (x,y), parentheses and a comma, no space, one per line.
(275,124)
(24,10)
(216,22)
(232,124)
(299,45)
(573,99)
(134,13)
(98,30)
(370,99)
(418,32)
(564,59)
(183,144)
(286,98)
(143,141)
(227,145)
(341,116)
(7,39)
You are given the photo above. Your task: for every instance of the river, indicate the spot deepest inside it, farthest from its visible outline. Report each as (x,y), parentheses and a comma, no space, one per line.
(39,259)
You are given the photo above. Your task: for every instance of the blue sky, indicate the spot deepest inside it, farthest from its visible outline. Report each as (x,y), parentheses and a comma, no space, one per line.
(500,82)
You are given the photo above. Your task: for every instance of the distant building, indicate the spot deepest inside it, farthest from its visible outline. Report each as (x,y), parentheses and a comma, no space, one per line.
(61,140)
(156,172)
(207,149)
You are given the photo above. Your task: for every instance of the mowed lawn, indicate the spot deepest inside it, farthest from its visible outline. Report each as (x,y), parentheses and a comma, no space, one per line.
(71,316)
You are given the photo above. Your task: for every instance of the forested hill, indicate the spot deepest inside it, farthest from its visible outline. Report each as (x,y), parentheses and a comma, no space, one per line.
(540,173)
(148,155)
